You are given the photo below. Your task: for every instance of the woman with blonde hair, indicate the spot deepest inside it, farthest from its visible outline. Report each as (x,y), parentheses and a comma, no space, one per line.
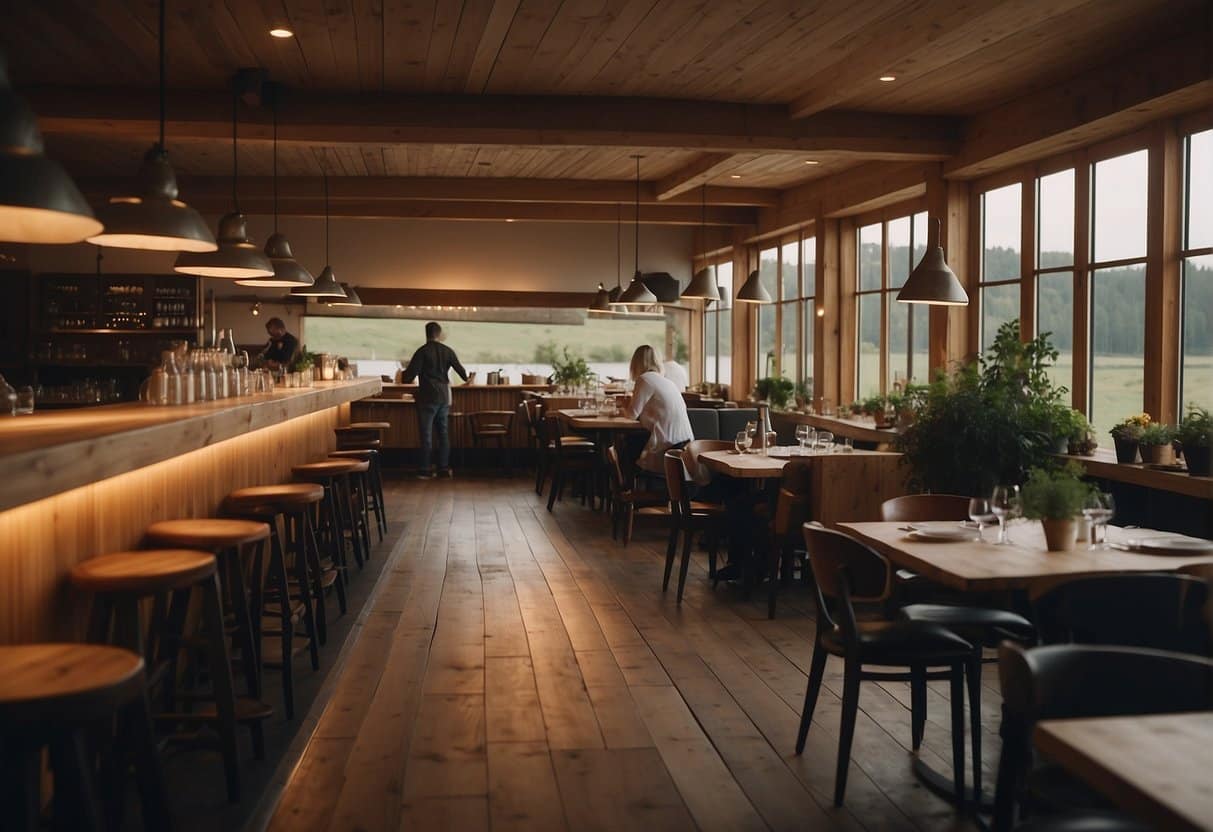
(658,405)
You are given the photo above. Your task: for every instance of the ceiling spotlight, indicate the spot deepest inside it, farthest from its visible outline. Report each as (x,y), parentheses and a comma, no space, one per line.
(255,309)
(811,162)
(888,78)
(734,176)
(281,32)
(509,220)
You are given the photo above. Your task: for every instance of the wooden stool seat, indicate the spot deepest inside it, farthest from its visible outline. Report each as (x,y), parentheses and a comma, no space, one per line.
(149,572)
(286,494)
(325,469)
(206,533)
(370,425)
(62,681)
(353,453)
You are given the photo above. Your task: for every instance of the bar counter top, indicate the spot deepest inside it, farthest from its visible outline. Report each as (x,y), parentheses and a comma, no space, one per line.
(51,452)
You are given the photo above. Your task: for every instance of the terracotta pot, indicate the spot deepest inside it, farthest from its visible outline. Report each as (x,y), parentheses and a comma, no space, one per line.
(1198,460)
(1060,534)
(1158,454)
(1126,450)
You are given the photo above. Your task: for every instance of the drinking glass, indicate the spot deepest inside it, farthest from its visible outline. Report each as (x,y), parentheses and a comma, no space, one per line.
(742,441)
(1099,508)
(846,445)
(980,513)
(825,441)
(1004,503)
(805,435)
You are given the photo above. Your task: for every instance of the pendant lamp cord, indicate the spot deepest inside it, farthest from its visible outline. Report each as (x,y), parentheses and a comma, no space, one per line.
(703,217)
(618,244)
(274,108)
(162,83)
(637,215)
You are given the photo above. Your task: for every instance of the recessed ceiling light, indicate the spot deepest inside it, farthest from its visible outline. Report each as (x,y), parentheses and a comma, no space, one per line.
(811,162)
(509,220)
(734,176)
(281,32)
(888,77)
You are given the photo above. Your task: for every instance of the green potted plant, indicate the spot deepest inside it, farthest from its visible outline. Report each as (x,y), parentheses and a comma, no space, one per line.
(1155,444)
(1080,438)
(1126,435)
(776,390)
(571,372)
(804,394)
(1195,435)
(1055,497)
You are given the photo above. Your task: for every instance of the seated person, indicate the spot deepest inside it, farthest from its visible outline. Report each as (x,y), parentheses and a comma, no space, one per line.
(658,405)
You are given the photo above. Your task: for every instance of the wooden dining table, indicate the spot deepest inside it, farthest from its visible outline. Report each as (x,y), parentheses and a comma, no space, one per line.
(593,421)
(1024,564)
(1158,768)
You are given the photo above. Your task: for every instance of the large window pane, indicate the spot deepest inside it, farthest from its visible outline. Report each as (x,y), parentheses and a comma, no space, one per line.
(1118,300)
(1200,190)
(869,257)
(1055,315)
(1055,206)
(899,341)
(787,339)
(725,346)
(921,235)
(867,359)
(1000,223)
(899,252)
(1197,380)
(766,340)
(808,259)
(768,271)
(999,304)
(1120,207)
(810,318)
(789,271)
(920,368)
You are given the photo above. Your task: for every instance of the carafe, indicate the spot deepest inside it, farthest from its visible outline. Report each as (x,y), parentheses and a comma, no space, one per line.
(8,399)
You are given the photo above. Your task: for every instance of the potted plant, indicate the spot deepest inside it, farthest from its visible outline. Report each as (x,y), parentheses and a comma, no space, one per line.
(1055,497)
(1195,435)
(1155,444)
(1126,435)
(804,394)
(571,373)
(1079,437)
(776,390)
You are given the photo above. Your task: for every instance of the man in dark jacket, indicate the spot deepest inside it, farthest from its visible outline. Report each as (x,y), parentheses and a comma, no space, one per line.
(430,367)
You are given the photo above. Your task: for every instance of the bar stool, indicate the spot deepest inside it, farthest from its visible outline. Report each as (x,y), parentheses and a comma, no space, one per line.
(118,582)
(367,436)
(359,496)
(294,550)
(239,580)
(373,502)
(335,514)
(58,696)
(492,427)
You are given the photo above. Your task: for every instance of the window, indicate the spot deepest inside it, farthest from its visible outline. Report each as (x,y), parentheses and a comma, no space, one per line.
(1055,269)
(1000,258)
(888,252)
(1118,288)
(768,275)
(789,311)
(808,310)
(718,329)
(788,272)
(1196,342)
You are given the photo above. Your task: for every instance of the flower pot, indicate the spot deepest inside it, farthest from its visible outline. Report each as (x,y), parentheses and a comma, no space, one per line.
(1126,450)
(1198,460)
(1060,534)
(1061,445)
(1158,454)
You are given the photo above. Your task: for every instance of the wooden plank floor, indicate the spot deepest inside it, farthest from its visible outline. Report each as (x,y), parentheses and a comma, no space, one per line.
(521,670)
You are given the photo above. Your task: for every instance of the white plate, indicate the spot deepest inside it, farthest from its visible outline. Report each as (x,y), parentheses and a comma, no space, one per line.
(942,531)
(1173,546)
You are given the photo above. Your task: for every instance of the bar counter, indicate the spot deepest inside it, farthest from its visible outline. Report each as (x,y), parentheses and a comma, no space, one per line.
(390,407)
(81,483)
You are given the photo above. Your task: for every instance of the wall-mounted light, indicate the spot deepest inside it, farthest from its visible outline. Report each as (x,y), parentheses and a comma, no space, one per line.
(821,311)
(255,309)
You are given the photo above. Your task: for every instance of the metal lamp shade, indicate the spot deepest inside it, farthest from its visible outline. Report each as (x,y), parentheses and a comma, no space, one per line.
(154,220)
(351,297)
(326,286)
(601,301)
(288,272)
(636,294)
(235,258)
(702,286)
(752,291)
(933,283)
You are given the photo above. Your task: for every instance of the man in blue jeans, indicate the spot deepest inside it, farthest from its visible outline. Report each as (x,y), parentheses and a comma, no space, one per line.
(431,366)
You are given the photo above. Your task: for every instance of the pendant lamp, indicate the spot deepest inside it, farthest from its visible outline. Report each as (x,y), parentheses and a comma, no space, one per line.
(601,301)
(752,291)
(154,219)
(237,257)
(39,202)
(703,284)
(326,286)
(637,294)
(288,272)
(351,297)
(932,282)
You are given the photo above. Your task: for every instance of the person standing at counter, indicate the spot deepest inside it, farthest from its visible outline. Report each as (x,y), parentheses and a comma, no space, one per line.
(282,347)
(658,405)
(430,366)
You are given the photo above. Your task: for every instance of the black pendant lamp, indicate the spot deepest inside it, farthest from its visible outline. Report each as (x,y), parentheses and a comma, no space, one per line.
(326,286)
(932,282)
(288,272)
(154,219)
(752,291)
(602,301)
(39,202)
(351,297)
(237,257)
(703,284)
(637,294)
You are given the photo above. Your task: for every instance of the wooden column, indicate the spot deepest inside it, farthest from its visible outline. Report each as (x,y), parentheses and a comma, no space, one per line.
(742,377)
(949,325)
(1027,256)
(848,266)
(1082,285)
(1163,241)
(826,332)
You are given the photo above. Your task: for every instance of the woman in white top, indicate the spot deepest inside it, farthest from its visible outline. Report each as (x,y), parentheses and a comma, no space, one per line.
(658,405)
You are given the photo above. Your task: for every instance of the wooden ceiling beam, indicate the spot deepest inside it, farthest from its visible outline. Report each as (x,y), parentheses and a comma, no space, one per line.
(470,189)
(693,174)
(316,118)
(1170,79)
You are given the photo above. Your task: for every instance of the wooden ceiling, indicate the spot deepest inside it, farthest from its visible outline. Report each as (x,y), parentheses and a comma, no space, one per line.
(737,94)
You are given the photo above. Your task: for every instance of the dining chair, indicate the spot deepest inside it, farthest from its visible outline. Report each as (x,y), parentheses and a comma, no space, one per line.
(1204,571)
(784,536)
(687,517)
(1073,680)
(924,508)
(572,456)
(1158,610)
(627,501)
(846,571)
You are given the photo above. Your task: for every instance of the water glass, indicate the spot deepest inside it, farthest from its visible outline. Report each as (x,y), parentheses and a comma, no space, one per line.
(805,435)
(25,400)
(742,441)
(1004,505)
(845,445)
(825,441)
(1099,508)
(981,514)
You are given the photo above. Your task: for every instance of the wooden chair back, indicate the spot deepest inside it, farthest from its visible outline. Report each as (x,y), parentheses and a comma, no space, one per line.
(618,483)
(675,482)
(490,420)
(844,571)
(922,508)
(698,472)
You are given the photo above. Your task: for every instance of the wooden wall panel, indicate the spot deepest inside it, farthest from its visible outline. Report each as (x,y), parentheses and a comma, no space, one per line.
(1163,278)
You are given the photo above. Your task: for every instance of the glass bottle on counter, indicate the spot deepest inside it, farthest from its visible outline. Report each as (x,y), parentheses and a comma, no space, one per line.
(172,376)
(8,399)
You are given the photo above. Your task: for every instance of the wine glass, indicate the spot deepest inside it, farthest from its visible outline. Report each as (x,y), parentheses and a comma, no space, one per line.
(742,441)
(1004,503)
(980,513)
(1099,508)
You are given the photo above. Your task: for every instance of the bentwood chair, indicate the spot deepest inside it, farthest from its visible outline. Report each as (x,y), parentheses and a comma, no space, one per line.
(687,517)
(492,428)
(923,508)
(572,458)
(1068,681)
(785,536)
(846,571)
(627,501)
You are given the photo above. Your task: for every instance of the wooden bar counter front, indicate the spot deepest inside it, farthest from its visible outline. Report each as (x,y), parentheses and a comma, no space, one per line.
(77,484)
